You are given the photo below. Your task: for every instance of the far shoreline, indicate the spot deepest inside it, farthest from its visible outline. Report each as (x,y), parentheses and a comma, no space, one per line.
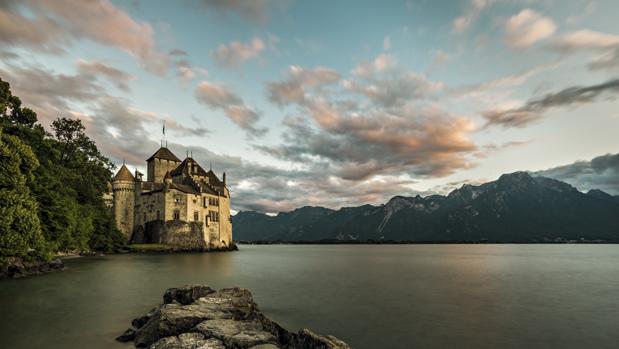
(390,242)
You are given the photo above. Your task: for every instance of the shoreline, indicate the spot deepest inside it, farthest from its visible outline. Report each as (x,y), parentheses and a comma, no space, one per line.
(390,242)
(18,268)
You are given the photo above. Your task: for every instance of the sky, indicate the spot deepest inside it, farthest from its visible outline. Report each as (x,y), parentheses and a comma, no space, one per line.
(330,103)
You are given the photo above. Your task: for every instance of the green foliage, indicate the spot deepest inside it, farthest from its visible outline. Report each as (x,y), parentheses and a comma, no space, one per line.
(63,175)
(20,230)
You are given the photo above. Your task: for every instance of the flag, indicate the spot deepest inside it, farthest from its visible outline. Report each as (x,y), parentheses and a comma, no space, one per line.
(164,127)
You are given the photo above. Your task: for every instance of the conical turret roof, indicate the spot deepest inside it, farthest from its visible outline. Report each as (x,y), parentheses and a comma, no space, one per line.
(124,174)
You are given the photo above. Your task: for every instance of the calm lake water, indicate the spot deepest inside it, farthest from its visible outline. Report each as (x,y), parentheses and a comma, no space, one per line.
(400,296)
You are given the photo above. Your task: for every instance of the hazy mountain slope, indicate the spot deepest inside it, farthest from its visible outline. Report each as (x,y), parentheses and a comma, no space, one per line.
(515,207)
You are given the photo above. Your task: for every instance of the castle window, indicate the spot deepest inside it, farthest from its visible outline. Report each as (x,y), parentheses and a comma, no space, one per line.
(177,214)
(213,201)
(214,216)
(204,202)
(196,216)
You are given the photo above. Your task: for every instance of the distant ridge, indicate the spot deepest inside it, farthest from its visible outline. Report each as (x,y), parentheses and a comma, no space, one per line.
(517,207)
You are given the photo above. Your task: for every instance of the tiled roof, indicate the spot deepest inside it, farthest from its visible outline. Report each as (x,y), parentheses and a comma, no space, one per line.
(212,178)
(165,154)
(190,167)
(124,174)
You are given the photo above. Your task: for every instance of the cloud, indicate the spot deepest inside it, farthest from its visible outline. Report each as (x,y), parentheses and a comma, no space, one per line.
(387,43)
(439,59)
(382,62)
(601,172)
(534,109)
(505,82)
(236,53)
(218,96)
(52,25)
(385,84)
(256,10)
(492,148)
(472,12)
(298,81)
(178,52)
(605,45)
(116,76)
(376,123)
(358,144)
(50,95)
(119,130)
(526,28)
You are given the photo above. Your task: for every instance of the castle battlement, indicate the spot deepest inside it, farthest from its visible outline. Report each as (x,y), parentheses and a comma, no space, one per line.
(180,204)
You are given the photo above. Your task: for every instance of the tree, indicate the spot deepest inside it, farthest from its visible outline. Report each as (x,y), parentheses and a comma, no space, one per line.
(20,230)
(10,107)
(64,191)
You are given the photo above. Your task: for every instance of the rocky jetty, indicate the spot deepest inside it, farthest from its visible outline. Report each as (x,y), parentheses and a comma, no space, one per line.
(15,267)
(197,316)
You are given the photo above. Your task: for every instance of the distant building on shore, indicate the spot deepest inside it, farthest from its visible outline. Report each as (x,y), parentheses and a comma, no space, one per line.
(179,204)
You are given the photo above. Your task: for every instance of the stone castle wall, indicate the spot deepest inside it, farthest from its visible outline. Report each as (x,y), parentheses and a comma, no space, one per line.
(124,204)
(156,169)
(183,235)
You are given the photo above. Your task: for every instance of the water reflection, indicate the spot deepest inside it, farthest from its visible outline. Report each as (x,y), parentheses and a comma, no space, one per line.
(423,296)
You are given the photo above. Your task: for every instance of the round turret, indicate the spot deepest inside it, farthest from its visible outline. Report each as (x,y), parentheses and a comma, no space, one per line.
(123,189)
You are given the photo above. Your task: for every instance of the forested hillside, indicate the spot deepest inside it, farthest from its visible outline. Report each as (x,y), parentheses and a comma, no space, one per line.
(51,186)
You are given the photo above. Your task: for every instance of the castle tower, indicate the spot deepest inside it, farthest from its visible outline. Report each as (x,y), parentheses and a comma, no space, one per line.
(159,163)
(123,189)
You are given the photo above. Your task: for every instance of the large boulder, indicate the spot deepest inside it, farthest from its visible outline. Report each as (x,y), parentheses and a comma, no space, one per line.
(196,316)
(186,294)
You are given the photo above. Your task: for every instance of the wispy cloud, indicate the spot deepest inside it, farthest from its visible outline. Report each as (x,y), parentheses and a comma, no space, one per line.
(53,25)
(218,96)
(470,15)
(298,81)
(534,109)
(256,10)
(601,172)
(605,46)
(526,28)
(236,53)
(118,77)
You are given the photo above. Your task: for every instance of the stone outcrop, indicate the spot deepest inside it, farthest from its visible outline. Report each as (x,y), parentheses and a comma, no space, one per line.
(14,267)
(196,316)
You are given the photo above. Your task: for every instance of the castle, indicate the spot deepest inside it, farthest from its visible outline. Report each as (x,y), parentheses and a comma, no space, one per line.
(179,204)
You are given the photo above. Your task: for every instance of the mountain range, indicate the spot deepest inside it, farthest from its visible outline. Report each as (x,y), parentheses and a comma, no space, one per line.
(517,207)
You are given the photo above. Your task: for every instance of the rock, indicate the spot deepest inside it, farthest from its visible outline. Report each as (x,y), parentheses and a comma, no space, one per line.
(15,267)
(236,334)
(188,341)
(142,320)
(186,294)
(127,336)
(308,339)
(196,316)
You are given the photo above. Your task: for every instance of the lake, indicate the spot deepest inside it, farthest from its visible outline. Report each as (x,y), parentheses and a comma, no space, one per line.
(371,296)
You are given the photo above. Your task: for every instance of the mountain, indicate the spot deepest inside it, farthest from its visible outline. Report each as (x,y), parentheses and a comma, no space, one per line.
(517,207)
